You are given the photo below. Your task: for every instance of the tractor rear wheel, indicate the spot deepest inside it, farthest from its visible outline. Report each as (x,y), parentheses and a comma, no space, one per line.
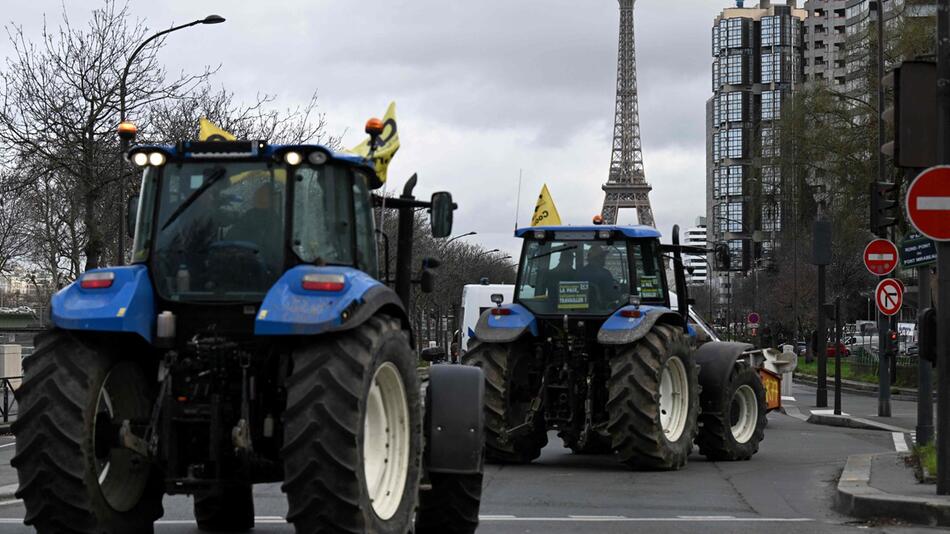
(74,476)
(508,395)
(353,432)
(451,505)
(654,400)
(734,432)
(225,509)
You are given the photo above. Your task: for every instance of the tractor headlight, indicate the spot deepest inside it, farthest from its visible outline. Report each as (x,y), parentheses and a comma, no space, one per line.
(317,158)
(140,159)
(156,159)
(293,158)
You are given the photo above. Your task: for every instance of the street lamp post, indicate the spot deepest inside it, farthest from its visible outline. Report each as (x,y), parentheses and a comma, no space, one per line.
(460,236)
(124,140)
(487,252)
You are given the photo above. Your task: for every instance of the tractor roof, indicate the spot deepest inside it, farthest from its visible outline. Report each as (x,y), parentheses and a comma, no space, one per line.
(249,150)
(634,231)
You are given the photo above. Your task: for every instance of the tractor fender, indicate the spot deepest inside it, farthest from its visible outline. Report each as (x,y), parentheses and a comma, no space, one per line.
(127,305)
(716,360)
(620,330)
(493,328)
(455,419)
(289,309)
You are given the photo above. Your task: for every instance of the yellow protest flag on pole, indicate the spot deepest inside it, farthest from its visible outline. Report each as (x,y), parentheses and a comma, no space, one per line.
(386,145)
(545,213)
(209,131)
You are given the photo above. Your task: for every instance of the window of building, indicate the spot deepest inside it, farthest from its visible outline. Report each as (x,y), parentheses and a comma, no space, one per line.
(734,37)
(771,178)
(735,70)
(717,79)
(771,67)
(735,253)
(771,105)
(772,217)
(727,181)
(770,148)
(717,140)
(732,107)
(734,146)
(732,217)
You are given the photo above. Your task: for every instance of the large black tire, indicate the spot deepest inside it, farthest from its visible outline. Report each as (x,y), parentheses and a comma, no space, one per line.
(58,456)
(634,408)
(716,438)
(507,400)
(225,509)
(328,401)
(451,505)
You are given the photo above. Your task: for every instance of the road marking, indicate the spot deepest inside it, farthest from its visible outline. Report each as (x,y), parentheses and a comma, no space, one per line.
(7,445)
(787,398)
(5,503)
(933,203)
(900,444)
(881,257)
(569,519)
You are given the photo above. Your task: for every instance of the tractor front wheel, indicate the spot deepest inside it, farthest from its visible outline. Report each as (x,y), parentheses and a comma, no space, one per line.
(654,400)
(353,432)
(74,476)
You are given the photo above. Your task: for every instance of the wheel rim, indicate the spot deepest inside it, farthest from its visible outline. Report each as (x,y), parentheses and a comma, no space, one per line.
(386,441)
(120,473)
(674,398)
(745,413)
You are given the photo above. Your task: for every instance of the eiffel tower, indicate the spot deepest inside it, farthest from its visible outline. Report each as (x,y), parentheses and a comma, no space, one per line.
(626,185)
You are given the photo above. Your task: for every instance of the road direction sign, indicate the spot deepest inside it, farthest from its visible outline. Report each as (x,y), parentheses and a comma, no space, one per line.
(917,251)
(880,257)
(889,296)
(753,318)
(928,203)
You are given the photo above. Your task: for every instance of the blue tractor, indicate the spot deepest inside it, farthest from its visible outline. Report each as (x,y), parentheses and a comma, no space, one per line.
(251,340)
(592,348)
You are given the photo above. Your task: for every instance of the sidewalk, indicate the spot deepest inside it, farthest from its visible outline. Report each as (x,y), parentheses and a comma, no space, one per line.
(875,486)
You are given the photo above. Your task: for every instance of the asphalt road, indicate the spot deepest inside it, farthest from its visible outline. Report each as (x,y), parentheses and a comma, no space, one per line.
(787,488)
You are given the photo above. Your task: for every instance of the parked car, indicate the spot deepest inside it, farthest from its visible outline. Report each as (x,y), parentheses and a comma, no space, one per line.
(844,350)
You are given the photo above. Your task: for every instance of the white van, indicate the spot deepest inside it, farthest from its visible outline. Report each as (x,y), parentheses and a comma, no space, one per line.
(476,298)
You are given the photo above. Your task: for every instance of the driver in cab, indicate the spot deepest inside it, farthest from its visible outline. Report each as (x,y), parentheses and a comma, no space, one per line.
(605,287)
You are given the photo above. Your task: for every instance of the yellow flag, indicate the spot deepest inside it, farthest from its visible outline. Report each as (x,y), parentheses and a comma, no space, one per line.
(209,131)
(386,145)
(545,213)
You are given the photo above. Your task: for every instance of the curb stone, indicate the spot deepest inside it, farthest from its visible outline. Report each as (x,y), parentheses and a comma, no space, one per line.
(7,492)
(861,388)
(857,498)
(853,422)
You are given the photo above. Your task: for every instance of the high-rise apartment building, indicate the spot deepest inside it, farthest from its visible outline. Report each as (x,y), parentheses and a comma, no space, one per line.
(696,266)
(826,35)
(757,62)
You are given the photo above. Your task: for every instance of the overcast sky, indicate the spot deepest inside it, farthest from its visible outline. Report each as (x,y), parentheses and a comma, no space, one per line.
(483,89)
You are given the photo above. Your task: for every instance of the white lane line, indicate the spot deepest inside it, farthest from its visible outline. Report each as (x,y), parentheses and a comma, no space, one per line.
(489,518)
(7,445)
(685,519)
(5,503)
(900,444)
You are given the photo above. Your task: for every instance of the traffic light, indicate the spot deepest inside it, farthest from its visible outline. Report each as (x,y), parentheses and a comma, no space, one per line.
(885,206)
(927,338)
(913,115)
(892,348)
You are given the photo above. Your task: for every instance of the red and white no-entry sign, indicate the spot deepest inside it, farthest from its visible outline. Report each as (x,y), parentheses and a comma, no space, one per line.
(889,296)
(928,203)
(880,257)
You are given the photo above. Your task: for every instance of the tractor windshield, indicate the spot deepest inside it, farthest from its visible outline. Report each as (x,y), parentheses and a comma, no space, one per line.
(577,277)
(219,230)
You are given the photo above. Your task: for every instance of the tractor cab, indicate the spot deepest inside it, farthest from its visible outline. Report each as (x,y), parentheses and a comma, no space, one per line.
(589,271)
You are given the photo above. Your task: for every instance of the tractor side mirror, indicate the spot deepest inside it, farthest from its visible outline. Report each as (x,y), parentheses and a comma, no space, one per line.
(441,214)
(497,298)
(131,214)
(427,281)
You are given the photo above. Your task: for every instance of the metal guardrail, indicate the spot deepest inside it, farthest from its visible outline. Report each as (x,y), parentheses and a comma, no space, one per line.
(9,406)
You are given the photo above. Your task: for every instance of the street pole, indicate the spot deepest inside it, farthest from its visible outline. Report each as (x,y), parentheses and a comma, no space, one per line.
(821,400)
(883,379)
(123,142)
(943,255)
(925,405)
(837,355)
